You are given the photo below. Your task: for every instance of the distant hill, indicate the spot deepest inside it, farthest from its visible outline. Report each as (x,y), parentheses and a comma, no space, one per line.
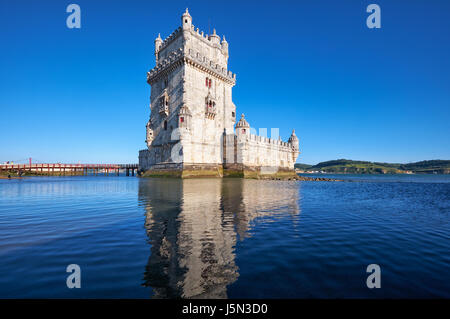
(438,166)
(302,166)
(364,167)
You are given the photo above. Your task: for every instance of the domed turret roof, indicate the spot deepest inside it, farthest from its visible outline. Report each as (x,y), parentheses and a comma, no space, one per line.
(242,122)
(224,40)
(186,13)
(293,137)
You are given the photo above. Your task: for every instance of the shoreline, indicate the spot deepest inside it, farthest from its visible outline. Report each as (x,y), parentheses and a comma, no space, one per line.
(340,173)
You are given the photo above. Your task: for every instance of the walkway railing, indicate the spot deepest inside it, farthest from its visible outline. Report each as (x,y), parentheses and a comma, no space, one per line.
(79,169)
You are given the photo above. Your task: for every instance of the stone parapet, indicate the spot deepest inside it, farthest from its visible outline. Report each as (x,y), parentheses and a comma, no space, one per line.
(178,57)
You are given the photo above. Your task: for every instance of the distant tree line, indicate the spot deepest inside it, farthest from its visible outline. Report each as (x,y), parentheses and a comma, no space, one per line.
(362,167)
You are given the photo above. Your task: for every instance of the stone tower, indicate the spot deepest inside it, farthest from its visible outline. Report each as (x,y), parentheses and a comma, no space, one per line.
(192,115)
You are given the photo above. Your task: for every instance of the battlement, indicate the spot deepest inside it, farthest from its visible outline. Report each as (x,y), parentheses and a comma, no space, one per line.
(170,38)
(188,37)
(195,32)
(270,142)
(194,58)
(205,37)
(211,65)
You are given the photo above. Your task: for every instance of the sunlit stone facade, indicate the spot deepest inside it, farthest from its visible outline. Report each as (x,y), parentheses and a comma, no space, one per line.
(192,129)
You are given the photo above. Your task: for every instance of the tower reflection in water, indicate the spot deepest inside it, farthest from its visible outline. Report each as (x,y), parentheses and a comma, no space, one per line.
(193,226)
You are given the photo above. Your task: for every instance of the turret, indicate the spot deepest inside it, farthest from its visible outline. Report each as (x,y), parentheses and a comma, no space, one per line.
(150,135)
(242,127)
(186,20)
(293,140)
(158,42)
(184,118)
(214,38)
(224,46)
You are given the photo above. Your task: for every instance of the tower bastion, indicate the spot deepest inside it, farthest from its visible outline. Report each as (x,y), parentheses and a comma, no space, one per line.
(192,129)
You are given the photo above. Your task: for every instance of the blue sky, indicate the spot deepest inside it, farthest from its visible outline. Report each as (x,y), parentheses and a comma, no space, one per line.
(80,95)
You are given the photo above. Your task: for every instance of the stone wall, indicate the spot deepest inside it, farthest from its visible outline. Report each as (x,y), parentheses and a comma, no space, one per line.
(254,150)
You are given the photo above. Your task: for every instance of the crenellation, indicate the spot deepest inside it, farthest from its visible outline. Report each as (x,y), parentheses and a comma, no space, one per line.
(175,55)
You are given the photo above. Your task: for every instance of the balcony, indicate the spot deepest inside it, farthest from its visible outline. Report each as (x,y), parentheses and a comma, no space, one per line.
(211,111)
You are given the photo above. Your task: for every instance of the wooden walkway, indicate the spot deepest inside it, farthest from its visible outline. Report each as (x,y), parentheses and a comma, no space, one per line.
(72,169)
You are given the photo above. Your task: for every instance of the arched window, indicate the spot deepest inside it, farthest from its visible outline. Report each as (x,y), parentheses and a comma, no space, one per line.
(206,83)
(165,125)
(209,83)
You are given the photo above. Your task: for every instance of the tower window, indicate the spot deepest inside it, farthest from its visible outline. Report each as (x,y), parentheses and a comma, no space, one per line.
(182,119)
(233,114)
(185,21)
(165,125)
(210,83)
(206,83)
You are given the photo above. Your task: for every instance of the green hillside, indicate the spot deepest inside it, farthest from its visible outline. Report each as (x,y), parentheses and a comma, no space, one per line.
(365,167)
(438,166)
(302,166)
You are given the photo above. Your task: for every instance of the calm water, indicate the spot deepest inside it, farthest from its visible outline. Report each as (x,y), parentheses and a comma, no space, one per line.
(165,238)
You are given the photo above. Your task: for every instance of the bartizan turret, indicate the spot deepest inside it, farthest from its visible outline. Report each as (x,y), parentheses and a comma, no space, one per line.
(158,42)
(242,127)
(186,20)
(293,140)
(149,138)
(214,38)
(224,45)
